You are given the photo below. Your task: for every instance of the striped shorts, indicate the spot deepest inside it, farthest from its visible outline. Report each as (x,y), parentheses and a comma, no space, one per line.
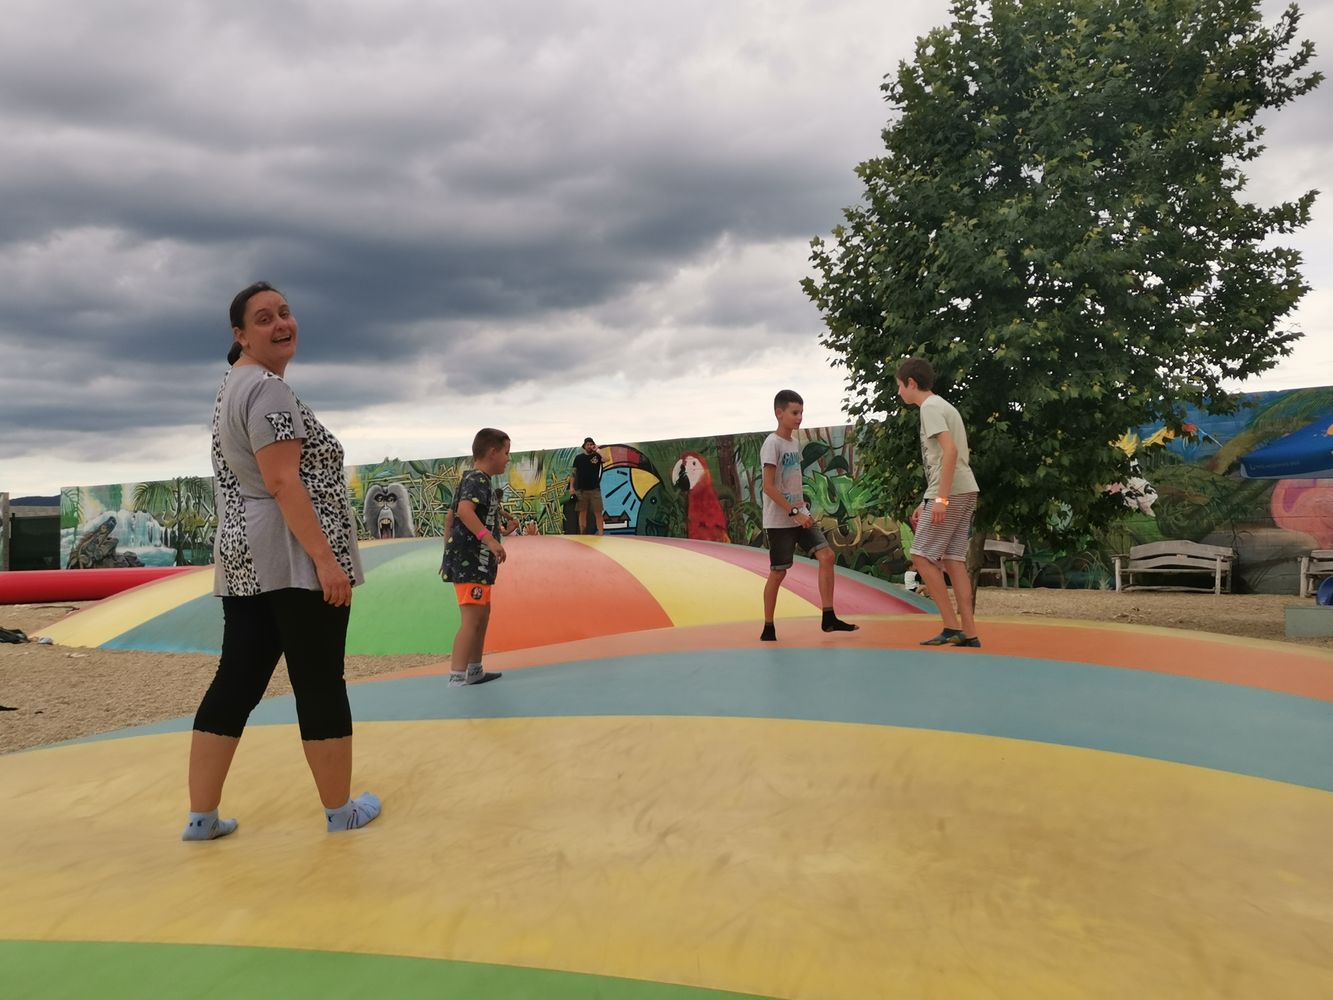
(938,542)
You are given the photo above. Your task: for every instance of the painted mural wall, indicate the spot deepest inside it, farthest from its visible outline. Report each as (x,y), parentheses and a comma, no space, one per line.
(1259,481)
(703,488)
(1191,486)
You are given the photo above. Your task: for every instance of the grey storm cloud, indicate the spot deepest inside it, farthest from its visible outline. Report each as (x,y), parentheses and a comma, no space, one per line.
(481,195)
(421,180)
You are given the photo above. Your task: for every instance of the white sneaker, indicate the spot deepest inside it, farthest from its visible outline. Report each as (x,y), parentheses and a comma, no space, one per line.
(474,675)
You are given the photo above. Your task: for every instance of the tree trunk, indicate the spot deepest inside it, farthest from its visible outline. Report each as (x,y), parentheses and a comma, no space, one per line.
(976,555)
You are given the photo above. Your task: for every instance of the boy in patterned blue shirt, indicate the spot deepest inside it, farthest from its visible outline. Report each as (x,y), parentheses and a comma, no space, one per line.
(473,553)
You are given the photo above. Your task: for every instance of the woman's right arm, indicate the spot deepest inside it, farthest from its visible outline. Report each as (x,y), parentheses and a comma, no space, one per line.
(280,465)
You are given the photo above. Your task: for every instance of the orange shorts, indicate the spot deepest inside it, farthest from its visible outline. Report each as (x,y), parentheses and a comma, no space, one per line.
(473,593)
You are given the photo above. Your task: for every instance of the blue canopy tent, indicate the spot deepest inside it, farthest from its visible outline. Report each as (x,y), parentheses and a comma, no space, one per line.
(1303,454)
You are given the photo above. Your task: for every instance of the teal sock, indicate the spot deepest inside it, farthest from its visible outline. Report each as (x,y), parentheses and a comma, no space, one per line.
(207,826)
(355,814)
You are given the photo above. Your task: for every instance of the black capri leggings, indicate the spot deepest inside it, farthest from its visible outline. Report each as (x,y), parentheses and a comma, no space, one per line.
(256,631)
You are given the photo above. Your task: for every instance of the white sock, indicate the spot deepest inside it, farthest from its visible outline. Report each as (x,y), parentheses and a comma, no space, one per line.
(353,814)
(207,826)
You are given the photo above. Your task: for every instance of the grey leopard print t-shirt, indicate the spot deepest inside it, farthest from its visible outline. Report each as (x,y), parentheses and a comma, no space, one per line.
(254,551)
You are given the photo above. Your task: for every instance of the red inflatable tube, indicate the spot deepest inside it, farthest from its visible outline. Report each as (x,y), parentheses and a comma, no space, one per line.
(40,586)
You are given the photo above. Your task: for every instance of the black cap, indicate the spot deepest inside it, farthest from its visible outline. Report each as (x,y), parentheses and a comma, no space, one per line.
(589,441)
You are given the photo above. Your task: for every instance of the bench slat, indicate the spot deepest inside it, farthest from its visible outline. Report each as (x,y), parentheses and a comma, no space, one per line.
(1208,570)
(1165,564)
(1182,547)
(1163,586)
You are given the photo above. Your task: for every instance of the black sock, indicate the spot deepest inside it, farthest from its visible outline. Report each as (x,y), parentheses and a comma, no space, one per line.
(832,623)
(769,634)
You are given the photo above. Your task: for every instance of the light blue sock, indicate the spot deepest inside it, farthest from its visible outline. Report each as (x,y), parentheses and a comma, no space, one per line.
(355,814)
(207,826)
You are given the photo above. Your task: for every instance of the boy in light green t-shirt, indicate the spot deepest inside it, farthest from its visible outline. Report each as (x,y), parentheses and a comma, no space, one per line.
(943,519)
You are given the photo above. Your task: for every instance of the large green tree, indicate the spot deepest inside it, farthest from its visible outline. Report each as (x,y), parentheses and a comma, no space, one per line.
(1059,224)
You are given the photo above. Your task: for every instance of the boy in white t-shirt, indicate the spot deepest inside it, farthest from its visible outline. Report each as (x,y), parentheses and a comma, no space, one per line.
(943,520)
(787,520)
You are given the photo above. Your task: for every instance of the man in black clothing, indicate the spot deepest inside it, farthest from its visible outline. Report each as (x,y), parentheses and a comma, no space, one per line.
(585,482)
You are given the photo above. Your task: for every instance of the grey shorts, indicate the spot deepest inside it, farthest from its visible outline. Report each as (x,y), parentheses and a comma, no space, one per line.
(782,543)
(947,541)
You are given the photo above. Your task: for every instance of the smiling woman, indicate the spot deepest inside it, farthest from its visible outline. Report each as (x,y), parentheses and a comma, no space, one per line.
(270,324)
(286,559)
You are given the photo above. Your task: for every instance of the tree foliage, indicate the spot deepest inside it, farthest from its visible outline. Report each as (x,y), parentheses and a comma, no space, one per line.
(1058,223)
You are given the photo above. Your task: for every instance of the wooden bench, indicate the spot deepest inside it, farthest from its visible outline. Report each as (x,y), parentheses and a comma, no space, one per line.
(1314,567)
(1009,554)
(1175,558)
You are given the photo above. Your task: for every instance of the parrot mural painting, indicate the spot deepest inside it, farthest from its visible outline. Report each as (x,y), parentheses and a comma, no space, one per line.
(704,519)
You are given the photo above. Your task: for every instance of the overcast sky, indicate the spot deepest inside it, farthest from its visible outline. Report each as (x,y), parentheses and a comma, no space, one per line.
(559,218)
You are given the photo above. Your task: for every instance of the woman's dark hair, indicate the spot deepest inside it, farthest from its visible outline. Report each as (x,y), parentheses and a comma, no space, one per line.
(237,313)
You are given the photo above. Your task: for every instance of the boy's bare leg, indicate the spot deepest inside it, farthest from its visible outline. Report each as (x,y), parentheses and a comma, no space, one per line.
(465,658)
(771,588)
(827,578)
(471,631)
(479,636)
(963,593)
(932,575)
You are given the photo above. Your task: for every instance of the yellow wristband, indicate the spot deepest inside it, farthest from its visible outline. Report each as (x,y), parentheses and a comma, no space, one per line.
(942,501)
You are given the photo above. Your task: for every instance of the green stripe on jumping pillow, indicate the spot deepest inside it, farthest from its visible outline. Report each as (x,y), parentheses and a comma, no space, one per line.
(386,620)
(55,970)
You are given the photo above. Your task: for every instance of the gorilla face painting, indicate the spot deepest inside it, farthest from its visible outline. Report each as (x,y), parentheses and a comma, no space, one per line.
(388,511)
